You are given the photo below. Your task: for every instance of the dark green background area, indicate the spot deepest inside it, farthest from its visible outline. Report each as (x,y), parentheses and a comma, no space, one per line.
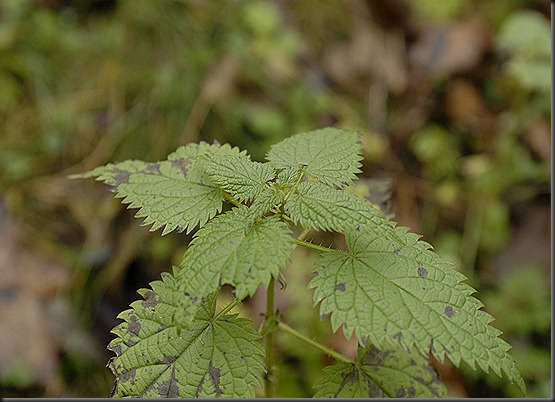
(451,97)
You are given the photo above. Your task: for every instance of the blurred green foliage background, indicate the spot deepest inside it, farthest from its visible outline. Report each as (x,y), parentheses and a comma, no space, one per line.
(452,98)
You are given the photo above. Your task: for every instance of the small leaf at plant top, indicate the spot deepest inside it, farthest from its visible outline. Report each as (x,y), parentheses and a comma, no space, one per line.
(322,207)
(238,175)
(388,373)
(173,194)
(212,358)
(288,177)
(235,249)
(266,200)
(330,155)
(390,289)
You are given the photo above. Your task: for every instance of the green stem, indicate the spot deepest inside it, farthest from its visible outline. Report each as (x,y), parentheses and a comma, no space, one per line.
(303,235)
(230,306)
(311,245)
(268,379)
(231,199)
(295,186)
(337,356)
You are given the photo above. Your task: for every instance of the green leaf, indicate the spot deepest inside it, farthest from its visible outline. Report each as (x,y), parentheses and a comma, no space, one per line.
(189,152)
(391,289)
(288,177)
(266,200)
(235,249)
(165,303)
(214,357)
(238,175)
(388,373)
(330,155)
(321,207)
(174,194)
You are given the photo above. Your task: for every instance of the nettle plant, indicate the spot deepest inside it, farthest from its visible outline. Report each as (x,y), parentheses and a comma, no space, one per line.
(401,300)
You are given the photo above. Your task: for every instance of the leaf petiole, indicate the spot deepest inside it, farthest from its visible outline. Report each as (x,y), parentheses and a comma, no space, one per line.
(230,306)
(337,356)
(311,245)
(295,186)
(232,200)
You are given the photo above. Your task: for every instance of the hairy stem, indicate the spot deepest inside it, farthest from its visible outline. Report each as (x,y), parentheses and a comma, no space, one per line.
(311,245)
(268,379)
(337,356)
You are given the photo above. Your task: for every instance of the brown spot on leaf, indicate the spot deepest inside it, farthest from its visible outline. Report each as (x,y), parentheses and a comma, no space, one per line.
(130,342)
(120,177)
(352,378)
(134,326)
(183,164)
(449,311)
(341,287)
(419,379)
(214,374)
(422,272)
(167,360)
(397,252)
(412,392)
(349,378)
(116,349)
(153,168)
(409,392)
(150,300)
(374,391)
(169,389)
(374,357)
(128,375)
